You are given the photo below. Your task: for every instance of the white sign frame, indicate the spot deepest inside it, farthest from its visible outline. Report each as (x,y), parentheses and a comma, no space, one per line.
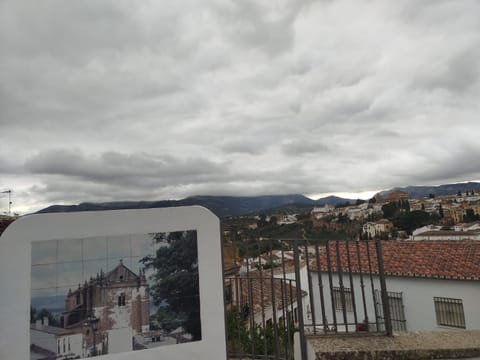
(15,272)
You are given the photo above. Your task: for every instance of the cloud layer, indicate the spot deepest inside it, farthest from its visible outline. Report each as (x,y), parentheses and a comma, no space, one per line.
(118,100)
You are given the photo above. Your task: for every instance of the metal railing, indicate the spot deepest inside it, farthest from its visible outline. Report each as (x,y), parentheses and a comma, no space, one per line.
(336,288)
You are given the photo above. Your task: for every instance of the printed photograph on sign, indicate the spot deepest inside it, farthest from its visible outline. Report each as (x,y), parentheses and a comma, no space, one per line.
(108,295)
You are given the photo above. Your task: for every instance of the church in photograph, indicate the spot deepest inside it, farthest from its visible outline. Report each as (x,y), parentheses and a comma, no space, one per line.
(116,304)
(102,316)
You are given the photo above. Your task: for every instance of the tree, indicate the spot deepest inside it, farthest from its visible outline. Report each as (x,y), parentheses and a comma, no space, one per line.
(241,338)
(470,216)
(414,219)
(175,287)
(390,210)
(262,221)
(238,337)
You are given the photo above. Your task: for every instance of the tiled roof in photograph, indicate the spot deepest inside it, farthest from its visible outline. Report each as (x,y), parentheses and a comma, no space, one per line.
(443,259)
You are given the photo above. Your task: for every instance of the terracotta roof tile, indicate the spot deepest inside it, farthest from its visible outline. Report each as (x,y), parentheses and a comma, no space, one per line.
(253,286)
(431,259)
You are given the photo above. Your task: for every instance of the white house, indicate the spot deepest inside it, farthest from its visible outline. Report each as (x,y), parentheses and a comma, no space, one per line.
(426,228)
(373,229)
(55,342)
(438,235)
(467,226)
(264,299)
(319,212)
(432,285)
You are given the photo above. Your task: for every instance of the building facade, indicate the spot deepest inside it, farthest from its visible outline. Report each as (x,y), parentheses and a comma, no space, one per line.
(118,303)
(431,285)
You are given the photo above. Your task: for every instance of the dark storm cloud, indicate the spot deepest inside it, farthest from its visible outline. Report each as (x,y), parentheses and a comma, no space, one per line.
(463,162)
(124,169)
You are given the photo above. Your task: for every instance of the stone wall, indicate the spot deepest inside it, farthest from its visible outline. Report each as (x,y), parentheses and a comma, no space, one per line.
(401,346)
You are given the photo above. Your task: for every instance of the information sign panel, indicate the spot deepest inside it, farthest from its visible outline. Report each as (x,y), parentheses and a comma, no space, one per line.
(104,284)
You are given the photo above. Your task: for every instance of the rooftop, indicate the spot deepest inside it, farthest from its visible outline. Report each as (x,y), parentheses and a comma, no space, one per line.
(442,259)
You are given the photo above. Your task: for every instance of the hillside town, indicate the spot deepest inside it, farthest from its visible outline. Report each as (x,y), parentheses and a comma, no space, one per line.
(324,267)
(396,216)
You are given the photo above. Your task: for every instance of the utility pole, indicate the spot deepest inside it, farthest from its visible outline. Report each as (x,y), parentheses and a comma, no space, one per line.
(9,192)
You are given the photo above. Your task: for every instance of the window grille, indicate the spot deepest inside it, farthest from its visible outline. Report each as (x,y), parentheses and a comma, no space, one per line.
(397,313)
(449,312)
(337,298)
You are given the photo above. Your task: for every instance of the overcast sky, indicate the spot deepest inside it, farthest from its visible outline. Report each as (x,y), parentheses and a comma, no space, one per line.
(105,100)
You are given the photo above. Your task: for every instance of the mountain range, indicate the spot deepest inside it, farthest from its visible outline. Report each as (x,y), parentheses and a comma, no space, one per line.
(222,206)
(225,206)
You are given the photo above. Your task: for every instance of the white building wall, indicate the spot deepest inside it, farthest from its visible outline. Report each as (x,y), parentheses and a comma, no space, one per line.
(460,236)
(417,293)
(418,297)
(303,286)
(45,340)
(73,345)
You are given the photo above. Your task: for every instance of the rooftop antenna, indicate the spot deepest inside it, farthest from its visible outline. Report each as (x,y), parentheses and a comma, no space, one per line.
(9,192)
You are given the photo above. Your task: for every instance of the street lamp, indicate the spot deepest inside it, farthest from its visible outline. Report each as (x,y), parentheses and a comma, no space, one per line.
(92,322)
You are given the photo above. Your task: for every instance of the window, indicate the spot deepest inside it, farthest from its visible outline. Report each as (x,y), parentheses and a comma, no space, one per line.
(348,299)
(397,313)
(449,312)
(121,300)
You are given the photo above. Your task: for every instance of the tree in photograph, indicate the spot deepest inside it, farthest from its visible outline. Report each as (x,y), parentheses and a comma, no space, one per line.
(43,314)
(175,287)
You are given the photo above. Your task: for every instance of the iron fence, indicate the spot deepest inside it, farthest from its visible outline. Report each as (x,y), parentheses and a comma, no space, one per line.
(337,287)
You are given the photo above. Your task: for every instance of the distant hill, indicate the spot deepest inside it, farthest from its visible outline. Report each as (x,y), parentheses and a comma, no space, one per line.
(419,192)
(222,206)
